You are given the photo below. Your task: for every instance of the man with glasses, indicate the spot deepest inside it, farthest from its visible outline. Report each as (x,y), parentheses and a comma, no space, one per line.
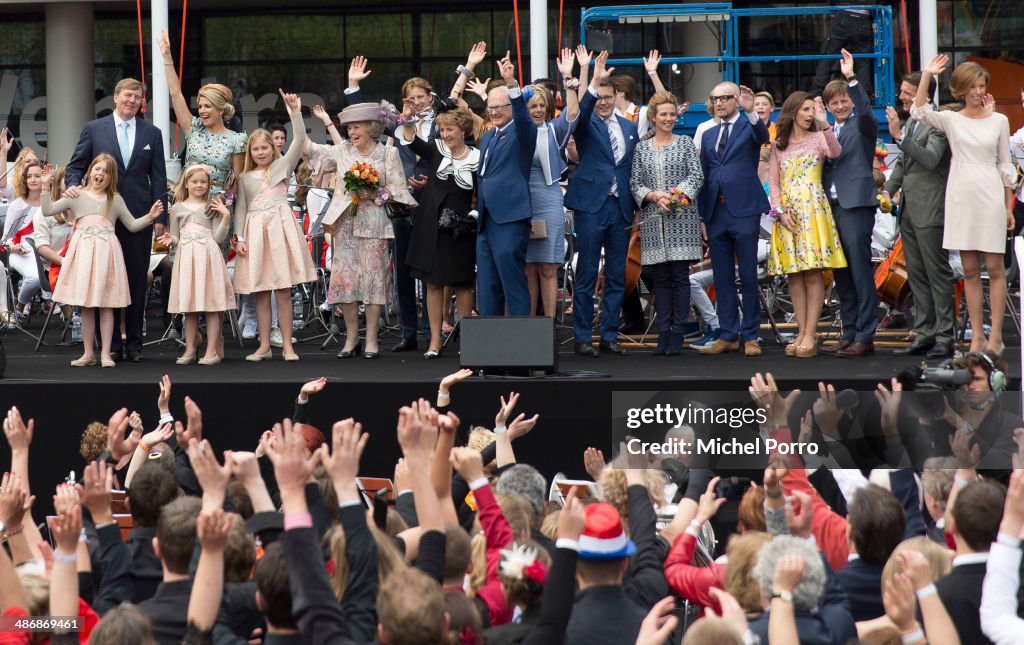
(503,200)
(600,197)
(731,203)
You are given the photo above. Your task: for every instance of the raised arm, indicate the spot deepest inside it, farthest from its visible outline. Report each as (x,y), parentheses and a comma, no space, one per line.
(294,106)
(320,113)
(651,62)
(178,100)
(212,529)
(135,224)
(565,62)
(476,56)
(583,57)
(220,230)
(526,131)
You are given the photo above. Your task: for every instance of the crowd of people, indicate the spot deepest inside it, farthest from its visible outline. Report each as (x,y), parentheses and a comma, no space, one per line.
(166,540)
(473,204)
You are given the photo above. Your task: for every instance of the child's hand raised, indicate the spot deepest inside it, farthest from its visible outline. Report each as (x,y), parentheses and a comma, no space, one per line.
(291,102)
(158,207)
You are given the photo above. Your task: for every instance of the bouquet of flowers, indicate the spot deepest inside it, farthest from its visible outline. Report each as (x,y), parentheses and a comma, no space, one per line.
(679,200)
(361,178)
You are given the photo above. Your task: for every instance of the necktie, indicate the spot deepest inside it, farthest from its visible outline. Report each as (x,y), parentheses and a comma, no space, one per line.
(724,140)
(122,140)
(617,151)
(839,126)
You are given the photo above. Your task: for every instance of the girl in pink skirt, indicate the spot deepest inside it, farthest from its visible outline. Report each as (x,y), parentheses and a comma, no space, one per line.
(200,282)
(93,275)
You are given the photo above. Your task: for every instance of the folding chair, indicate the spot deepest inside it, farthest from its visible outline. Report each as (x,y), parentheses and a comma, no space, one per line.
(46,293)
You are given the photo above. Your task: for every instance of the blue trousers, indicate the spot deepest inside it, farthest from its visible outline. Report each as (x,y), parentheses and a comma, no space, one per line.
(672,295)
(858,299)
(732,242)
(605,228)
(501,267)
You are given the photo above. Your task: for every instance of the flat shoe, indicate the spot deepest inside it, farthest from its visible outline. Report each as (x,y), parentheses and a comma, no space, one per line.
(256,358)
(108,364)
(290,357)
(84,362)
(186,360)
(210,361)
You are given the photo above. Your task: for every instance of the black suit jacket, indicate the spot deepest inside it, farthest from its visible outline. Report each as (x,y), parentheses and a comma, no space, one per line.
(143,181)
(960,592)
(168,611)
(862,582)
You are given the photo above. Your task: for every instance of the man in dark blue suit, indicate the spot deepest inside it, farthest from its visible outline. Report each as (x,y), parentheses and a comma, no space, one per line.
(603,208)
(141,180)
(503,200)
(854,197)
(731,203)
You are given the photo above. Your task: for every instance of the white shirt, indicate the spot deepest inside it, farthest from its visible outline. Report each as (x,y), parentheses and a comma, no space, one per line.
(131,133)
(751,116)
(970,558)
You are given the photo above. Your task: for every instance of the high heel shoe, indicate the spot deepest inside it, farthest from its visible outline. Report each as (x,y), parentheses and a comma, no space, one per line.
(257,357)
(84,362)
(791,349)
(432,354)
(806,352)
(349,353)
(371,355)
(999,353)
(186,360)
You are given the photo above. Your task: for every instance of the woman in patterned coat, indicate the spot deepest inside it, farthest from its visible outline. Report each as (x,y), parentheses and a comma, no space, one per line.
(665,180)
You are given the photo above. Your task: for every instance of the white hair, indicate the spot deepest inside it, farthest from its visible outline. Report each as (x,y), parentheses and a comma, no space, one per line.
(808,593)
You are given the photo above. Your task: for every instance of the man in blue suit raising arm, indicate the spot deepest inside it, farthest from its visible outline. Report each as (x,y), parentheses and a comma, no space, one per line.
(141,180)
(603,207)
(503,200)
(731,203)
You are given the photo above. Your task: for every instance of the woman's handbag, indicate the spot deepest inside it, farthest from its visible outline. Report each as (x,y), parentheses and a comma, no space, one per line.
(538,229)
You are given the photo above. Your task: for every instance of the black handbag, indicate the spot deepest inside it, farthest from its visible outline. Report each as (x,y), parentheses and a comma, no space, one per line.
(393,209)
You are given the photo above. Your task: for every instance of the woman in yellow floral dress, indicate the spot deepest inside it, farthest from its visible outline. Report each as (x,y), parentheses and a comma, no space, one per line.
(804,239)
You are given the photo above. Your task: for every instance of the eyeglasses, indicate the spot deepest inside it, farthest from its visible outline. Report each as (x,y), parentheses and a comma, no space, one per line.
(610,97)
(722,99)
(498,108)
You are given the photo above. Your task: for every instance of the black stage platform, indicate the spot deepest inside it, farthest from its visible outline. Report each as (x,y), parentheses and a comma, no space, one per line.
(239,399)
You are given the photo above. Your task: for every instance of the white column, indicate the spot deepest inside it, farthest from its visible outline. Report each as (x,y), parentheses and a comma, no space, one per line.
(928,17)
(161,112)
(69,76)
(539,63)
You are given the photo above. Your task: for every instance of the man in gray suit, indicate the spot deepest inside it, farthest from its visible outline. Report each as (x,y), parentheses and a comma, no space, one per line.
(921,172)
(854,198)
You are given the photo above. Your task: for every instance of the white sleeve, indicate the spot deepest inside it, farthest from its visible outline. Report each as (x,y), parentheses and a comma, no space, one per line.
(999,618)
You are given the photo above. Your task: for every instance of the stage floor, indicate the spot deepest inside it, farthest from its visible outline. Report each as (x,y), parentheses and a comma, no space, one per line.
(240,400)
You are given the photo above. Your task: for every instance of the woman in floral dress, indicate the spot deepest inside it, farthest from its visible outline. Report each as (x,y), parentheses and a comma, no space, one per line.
(804,239)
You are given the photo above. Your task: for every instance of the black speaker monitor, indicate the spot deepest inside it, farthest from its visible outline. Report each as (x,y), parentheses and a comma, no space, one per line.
(509,345)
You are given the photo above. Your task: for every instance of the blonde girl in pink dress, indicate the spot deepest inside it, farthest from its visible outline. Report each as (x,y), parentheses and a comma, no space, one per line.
(93,274)
(200,282)
(272,252)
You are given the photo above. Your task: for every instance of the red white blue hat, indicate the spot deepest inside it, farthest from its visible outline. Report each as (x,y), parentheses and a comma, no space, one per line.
(603,536)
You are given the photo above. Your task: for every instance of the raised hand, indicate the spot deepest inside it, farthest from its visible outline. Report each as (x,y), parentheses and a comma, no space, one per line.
(64,497)
(163,401)
(287,452)
(651,62)
(507,69)
(820,113)
(46,171)
(659,623)
(682,108)
(936,65)
(117,443)
(457,377)
(341,461)
(765,392)
(478,87)
(468,463)
(889,401)
(19,435)
(449,424)
(746,99)
(565,62)
(194,428)
(14,503)
(846,65)
(165,47)
(6,141)
(155,210)
(601,72)
(218,206)
(95,491)
(789,570)
(593,461)
(66,528)
(292,102)
(313,387)
(988,105)
(583,56)
(773,475)
(506,409)
(916,567)
(320,113)
(893,119)
(967,455)
(799,521)
(732,613)
(571,518)
(212,476)
(709,502)
(521,426)
(357,71)
(212,528)
(1013,509)
(826,412)
(243,465)
(1018,457)
(477,54)
(806,428)
(898,599)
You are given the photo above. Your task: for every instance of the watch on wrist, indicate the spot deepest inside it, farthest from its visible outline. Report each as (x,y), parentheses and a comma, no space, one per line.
(786,596)
(851,78)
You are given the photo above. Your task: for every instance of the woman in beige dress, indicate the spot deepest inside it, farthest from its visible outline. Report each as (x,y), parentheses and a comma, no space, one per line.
(272,252)
(979,200)
(361,232)
(93,274)
(200,282)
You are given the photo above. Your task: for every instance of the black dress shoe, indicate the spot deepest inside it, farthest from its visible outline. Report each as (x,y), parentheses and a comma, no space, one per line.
(371,355)
(942,349)
(117,355)
(135,355)
(611,347)
(355,351)
(918,347)
(405,345)
(586,349)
